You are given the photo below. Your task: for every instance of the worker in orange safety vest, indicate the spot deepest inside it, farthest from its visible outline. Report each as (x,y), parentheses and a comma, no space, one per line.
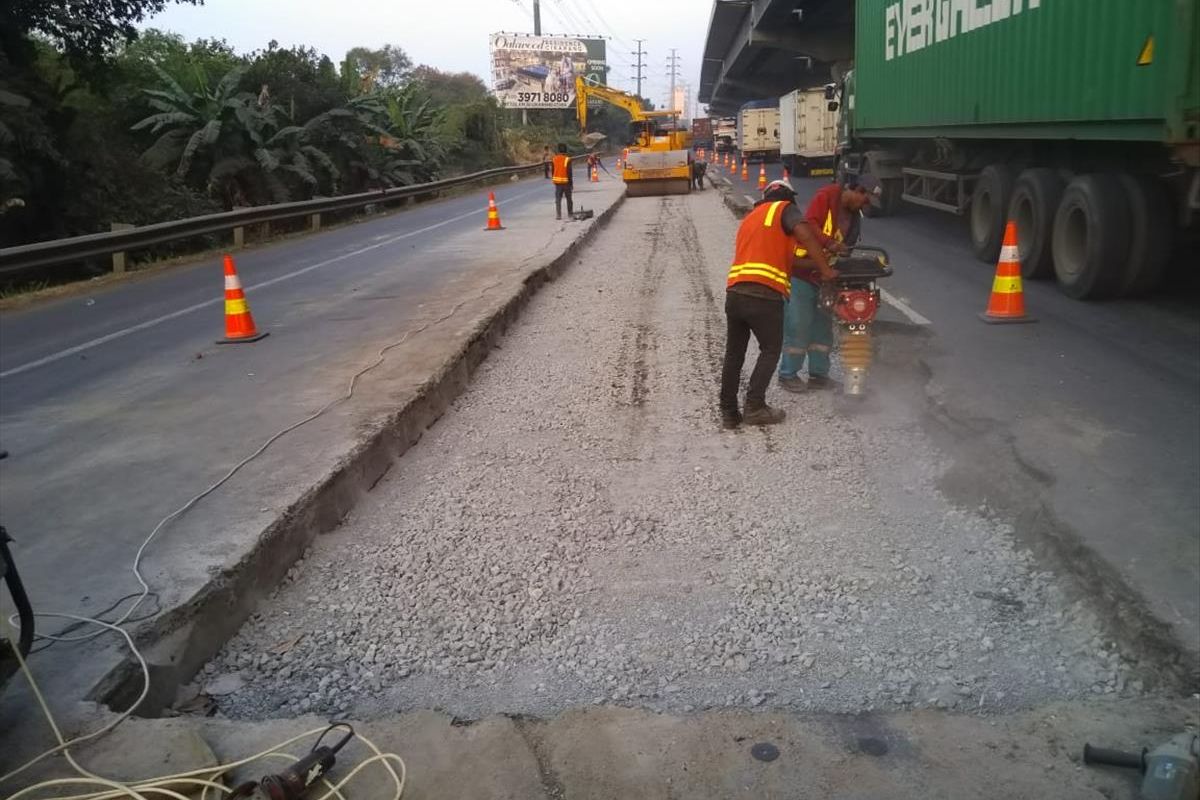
(564,181)
(807,326)
(756,290)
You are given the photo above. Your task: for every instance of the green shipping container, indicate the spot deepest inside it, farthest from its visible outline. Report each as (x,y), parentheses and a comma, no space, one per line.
(1124,70)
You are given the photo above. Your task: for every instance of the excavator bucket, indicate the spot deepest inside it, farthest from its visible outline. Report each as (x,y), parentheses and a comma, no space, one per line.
(652,173)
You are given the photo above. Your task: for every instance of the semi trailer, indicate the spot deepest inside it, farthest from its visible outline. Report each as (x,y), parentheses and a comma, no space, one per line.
(1077,119)
(758,130)
(807,132)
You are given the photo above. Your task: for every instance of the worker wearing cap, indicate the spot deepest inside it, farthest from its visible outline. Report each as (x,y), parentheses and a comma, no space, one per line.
(807,327)
(756,290)
(564,181)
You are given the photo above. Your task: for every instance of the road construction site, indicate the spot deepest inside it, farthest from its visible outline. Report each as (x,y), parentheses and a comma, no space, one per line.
(576,584)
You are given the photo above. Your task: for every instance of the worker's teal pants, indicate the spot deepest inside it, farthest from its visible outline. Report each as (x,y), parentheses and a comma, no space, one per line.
(807,331)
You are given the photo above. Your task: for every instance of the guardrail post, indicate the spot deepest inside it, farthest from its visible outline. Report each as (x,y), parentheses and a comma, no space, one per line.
(118,259)
(314,222)
(239,237)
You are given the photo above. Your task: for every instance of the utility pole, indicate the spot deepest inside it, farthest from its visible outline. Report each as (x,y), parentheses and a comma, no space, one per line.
(537,31)
(640,52)
(673,66)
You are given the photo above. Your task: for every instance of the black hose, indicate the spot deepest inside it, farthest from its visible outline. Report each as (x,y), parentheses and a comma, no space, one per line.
(17,590)
(1114,758)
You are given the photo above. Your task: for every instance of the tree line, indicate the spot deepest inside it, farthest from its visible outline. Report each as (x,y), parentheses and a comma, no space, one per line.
(99,124)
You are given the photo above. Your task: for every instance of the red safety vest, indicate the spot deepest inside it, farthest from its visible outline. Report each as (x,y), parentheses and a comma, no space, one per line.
(763,251)
(561,172)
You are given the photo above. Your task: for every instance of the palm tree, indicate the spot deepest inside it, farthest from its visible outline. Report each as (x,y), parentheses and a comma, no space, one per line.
(405,125)
(286,151)
(203,134)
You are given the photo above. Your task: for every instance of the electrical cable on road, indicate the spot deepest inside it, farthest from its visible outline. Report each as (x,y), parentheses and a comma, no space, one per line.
(117,789)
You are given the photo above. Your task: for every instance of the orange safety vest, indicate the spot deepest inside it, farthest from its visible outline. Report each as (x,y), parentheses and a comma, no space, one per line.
(826,229)
(763,251)
(561,171)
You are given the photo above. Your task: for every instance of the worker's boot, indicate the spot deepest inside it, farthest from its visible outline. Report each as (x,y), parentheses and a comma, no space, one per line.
(731,419)
(792,383)
(763,415)
(822,382)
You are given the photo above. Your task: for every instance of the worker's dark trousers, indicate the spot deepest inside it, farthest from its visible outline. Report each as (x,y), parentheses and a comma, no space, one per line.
(746,314)
(562,190)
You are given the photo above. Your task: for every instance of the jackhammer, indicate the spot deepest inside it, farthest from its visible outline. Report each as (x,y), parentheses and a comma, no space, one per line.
(853,301)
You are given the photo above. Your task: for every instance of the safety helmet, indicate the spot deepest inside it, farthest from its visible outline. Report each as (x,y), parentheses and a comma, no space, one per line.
(779,188)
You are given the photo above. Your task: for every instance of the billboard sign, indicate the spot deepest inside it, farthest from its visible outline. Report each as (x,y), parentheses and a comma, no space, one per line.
(539,71)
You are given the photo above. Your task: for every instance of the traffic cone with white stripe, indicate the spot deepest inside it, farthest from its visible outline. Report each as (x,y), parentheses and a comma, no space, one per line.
(493,223)
(762,177)
(239,324)
(745,171)
(595,174)
(1007,303)
(733,167)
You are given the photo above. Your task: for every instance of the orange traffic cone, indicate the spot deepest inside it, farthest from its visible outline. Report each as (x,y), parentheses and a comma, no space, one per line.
(732,167)
(239,324)
(745,171)
(1007,303)
(493,223)
(762,177)
(595,174)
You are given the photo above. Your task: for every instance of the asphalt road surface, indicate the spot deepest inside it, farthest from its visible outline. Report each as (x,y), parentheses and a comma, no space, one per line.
(1096,407)
(117,406)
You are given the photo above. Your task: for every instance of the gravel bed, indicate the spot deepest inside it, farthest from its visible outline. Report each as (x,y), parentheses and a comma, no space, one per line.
(578,529)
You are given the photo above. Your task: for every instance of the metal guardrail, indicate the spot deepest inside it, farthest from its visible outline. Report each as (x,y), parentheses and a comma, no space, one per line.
(78,248)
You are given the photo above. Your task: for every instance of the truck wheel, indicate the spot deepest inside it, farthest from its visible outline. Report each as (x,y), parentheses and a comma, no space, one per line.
(989,205)
(1150,234)
(1034,201)
(1091,237)
(888,201)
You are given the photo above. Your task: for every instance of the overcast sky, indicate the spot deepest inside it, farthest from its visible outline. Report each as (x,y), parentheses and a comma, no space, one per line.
(453,34)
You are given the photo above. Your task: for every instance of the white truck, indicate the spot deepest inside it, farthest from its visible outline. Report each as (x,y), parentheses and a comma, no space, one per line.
(807,132)
(758,130)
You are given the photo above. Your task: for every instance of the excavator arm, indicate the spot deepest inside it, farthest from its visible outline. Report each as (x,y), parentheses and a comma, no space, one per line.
(584,91)
(662,164)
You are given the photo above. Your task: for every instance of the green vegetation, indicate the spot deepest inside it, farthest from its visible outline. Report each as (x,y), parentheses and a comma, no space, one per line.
(98,125)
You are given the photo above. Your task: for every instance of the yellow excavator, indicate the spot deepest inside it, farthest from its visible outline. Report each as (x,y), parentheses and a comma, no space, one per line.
(660,162)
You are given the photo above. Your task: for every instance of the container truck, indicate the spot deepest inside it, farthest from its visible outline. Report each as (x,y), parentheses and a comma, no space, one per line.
(725,134)
(807,132)
(702,132)
(758,129)
(1079,121)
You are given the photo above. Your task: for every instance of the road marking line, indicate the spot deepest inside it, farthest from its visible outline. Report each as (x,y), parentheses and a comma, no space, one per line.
(904,308)
(150,323)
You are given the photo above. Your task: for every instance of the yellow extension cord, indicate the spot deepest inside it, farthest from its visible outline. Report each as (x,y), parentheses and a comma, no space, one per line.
(206,778)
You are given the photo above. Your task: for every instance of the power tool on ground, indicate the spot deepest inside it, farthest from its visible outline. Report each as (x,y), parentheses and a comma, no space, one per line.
(293,782)
(1170,771)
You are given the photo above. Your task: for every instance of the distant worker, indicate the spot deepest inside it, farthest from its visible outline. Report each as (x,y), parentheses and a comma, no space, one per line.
(699,167)
(807,327)
(546,159)
(758,286)
(564,181)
